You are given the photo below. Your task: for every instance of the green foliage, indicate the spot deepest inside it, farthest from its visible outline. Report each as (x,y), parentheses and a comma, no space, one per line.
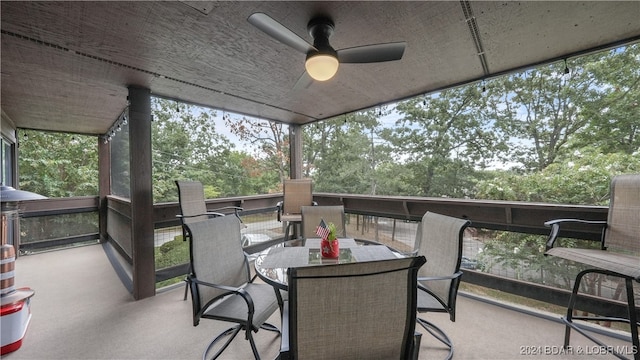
(444,138)
(539,113)
(524,255)
(120,163)
(341,156)
(171,253)
(184,145)
(57,164)
(613,117)
(35,229)
(332,231)
(272,142)
(547,113)
(580,178)
(187,146)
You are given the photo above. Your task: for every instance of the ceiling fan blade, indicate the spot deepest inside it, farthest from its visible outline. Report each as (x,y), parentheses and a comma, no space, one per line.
(303,82)
(372,53)
(277,31)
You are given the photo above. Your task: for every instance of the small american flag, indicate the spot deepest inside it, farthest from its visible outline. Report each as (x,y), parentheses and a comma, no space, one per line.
(322,230)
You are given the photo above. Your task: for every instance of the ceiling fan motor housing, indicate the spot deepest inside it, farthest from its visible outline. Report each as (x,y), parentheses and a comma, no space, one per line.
(321,29)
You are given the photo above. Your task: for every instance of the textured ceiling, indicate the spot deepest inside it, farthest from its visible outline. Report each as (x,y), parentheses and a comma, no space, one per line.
(66,65)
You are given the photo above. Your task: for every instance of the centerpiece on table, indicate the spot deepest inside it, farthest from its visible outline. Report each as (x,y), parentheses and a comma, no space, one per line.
(329,246)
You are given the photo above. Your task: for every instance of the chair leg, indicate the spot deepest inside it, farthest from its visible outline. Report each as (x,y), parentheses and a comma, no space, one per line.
(286,231)
(253,345)
(437,333)
(186,286)
(233,331)
(415,350)
(570,307)
(270,327)
(633,319)
(297,230)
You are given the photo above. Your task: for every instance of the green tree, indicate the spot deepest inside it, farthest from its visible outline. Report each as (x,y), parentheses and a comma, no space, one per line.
(187,146)
(582,177)
(270,138)
(58,164)
(344,154)
(614,124)
(443,139)
(545,108)
(257,177)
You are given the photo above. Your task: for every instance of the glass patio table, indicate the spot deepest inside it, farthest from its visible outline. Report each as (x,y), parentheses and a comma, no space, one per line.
(272,264)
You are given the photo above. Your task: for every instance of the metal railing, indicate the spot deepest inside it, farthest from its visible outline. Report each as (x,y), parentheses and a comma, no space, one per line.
(378,218)
(54,223)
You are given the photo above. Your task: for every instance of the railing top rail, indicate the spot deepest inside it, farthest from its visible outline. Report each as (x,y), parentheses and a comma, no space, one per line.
(518,216)
(474,202)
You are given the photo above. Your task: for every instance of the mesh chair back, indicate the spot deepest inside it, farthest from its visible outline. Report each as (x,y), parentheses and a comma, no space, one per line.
(191,198)
(216,255)
(296,193)
(623,223)
(361,310)
(311,216)
(439,239)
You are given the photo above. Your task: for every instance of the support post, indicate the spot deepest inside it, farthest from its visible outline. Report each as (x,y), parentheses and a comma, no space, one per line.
(141,192)
(295,151)
(104,186)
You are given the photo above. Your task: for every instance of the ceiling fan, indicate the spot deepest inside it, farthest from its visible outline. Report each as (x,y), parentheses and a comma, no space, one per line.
(322,60)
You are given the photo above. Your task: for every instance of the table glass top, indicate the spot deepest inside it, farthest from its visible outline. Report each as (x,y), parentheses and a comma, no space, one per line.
(272,264)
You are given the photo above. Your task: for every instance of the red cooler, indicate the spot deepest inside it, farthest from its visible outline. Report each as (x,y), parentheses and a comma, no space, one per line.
(16,314)
(15,309)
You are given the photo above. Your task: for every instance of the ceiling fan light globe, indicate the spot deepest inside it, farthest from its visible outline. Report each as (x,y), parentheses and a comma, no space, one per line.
(321,67)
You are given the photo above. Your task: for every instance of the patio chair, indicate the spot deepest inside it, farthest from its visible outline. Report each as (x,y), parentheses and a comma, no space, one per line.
(296,193)
(363,310)
(193,209)
(439,239)
(618,255)
(311,216)
(221,288)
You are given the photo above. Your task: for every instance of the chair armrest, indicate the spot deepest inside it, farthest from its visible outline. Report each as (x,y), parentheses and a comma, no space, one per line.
(446,277)
(235,290)
(284,333)
(412,253)
(555,228)
(214,214)
(235,209)
(279,209)
(453,277)
(221,211)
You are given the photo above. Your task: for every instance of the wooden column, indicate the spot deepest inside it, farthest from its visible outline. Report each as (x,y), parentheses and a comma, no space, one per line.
(295,151)
(104,185)
(141,192)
